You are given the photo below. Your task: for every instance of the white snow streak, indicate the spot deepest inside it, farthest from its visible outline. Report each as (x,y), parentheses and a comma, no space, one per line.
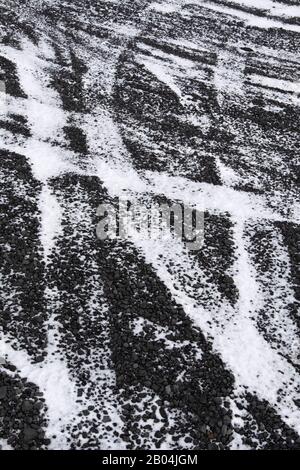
(279,12)
(240,344)
(52,378)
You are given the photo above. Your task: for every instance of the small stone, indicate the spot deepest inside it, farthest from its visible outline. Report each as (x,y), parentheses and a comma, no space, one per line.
(30,434)
(106,419)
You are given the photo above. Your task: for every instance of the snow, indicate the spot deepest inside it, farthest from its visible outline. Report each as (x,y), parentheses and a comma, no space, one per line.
(229,76)
(275,8)
(238,340)
(52,378)
(45,118)
(270,82)
(160,73)
(164,7)
(240,343)
(277,295)
(242,346)
(43,114)
(4,445)
(212,197)
(229,177)
(233,331)
(3,99)
(250,18)
(50,220)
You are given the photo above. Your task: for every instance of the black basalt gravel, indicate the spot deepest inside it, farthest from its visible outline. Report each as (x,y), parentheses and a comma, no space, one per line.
(192,95)
(22,412)
(22,301)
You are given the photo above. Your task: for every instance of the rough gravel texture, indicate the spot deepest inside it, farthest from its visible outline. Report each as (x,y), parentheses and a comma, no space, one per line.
(135,343)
